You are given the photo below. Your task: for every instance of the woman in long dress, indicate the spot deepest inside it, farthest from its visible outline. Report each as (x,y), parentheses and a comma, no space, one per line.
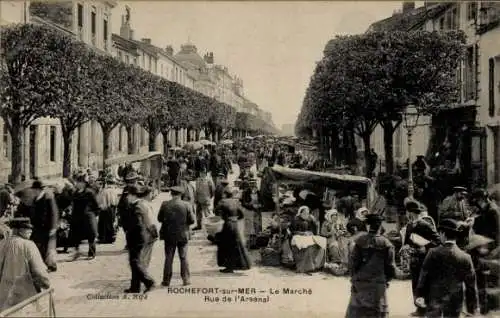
(231,252)
(309,249)
(335,230)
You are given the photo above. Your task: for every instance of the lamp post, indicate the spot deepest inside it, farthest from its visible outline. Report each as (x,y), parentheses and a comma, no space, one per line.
(410,117)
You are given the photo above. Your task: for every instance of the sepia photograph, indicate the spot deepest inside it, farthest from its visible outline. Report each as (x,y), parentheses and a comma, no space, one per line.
(257,159)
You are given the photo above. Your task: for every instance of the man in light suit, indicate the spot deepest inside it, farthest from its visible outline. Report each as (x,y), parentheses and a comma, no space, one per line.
(445,270)
(175,217)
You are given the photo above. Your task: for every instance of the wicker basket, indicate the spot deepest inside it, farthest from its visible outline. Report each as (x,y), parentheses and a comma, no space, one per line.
(213,225)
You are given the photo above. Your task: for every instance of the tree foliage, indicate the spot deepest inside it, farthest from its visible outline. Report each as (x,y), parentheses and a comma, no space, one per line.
(48,74)
(369,79)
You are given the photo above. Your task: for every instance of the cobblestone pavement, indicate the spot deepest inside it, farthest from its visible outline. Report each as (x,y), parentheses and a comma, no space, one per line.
(77,284)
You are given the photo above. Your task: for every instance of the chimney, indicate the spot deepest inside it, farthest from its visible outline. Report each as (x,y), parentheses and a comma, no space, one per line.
(408,6)
(209,58)
(170,50)
(146,40)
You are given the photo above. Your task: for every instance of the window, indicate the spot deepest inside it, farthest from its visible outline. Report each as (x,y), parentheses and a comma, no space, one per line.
(441,24)
(80,15)
(150,63)
(120,55)
(127,59)
(472,11)
(491,87)
(121,143)
(53,143)
(135,61)
(105,29)
(93,25)
(93,139)
(6,146)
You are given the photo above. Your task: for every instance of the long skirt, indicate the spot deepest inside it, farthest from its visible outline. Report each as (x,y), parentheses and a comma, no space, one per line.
(368,300)
(106,226)
(231,250)
(338,251)
(309,259)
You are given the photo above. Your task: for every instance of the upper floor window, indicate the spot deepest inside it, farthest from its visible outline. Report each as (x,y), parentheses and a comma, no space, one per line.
(80,15)
(472,11)
(491,87)
(5,149)
(127,59)
(120,55)
(93,22)
(105,28)
(52,143)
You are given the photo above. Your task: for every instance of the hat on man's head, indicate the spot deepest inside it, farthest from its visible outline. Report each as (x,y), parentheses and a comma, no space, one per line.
(460,189)
(224,181)
(374,218)
(82,177)
(139,190)
(413,206)
(37,184)
(221,175)
(450,225)
(131,176)
(20,223)
(177,190)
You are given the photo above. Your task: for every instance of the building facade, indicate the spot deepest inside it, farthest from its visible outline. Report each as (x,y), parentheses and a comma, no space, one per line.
(473,137)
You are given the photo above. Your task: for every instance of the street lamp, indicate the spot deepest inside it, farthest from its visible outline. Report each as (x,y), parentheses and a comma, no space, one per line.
(410,117)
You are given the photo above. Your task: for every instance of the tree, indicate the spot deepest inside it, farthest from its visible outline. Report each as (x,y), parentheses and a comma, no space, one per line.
(420,68)
(31,82)
(113,100)
(156,107)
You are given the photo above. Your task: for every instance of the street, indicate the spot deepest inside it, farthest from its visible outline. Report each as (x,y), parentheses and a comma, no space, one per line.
(79,285)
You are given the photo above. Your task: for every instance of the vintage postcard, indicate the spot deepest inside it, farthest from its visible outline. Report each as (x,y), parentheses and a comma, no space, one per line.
(249,158)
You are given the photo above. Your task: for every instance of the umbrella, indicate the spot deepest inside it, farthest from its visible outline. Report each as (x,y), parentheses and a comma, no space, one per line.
(477,240)
(249,137)
(205,142)
(226,142)
(195,145)
(176,148)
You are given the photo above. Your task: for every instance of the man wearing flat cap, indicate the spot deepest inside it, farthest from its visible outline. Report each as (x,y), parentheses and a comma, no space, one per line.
(455,206)
(487,221)
(24,273)
(372,267)
(445,271)
(420,236)
(176,216)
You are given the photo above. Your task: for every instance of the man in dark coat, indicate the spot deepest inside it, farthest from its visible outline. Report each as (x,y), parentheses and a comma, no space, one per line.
(487,223)
(176,216)
(139,234)
(174,168)
(445,270)
(421,226)
(124,208)
(219,189)
(45,220)
(372,267)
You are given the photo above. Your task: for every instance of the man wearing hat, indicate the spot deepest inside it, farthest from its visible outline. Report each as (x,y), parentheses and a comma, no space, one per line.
(176,216)
(445,271)
(420,235)
(204,193)
(24,273)
(140,234)
(455,206)
(124,209)
(372,267)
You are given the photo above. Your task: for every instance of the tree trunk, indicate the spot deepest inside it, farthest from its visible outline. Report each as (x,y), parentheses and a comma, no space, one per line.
(166,142)
(130,140)
(189,135)
(197,132)
(213,132)
(17,136)
(368,162)
(152,141)
(106,147)
(177,143)
(389,130)
(67,149)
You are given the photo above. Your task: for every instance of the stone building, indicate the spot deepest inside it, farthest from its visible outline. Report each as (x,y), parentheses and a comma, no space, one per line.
(473,135)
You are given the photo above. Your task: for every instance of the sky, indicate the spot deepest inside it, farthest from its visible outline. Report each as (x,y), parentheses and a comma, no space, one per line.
(271,46)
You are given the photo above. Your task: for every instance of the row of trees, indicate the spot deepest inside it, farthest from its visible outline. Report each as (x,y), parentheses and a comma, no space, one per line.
(369,79)
(47,73)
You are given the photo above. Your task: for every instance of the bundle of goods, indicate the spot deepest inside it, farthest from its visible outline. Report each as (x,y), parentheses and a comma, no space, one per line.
(336,269)
(271,255)
(213,225)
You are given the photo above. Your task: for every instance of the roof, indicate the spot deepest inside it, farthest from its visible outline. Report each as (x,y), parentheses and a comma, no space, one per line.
(125,44)
(410,20)
(189,55)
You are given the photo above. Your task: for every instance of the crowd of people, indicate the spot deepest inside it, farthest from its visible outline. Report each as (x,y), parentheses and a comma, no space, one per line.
(441,248)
